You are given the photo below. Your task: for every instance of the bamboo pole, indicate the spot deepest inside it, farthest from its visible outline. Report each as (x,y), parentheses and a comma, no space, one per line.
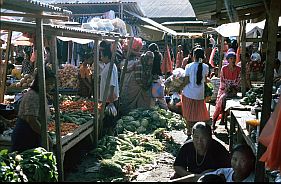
(272,19)
(243,59)
(95,133)
(221,53)
(57,110)
(107,84)
(42,85)
(3,83)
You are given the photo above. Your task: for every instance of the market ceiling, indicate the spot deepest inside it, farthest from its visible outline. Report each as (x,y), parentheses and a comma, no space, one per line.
(31,6)
(225,11)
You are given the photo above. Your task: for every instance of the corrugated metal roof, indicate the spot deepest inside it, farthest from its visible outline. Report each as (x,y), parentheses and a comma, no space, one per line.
(95,6)
(166,8)
(57,30)
(148,8)
(31,6)
(204,9)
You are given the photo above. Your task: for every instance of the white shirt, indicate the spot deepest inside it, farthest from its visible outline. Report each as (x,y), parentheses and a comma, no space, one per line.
(192,90)
(113,81)
(228,173)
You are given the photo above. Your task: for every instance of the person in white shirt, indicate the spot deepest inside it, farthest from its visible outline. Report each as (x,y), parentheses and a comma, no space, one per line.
(242,167)
(193,104)
(112,94)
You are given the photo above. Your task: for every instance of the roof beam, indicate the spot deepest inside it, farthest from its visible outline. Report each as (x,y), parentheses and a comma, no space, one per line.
(35,16)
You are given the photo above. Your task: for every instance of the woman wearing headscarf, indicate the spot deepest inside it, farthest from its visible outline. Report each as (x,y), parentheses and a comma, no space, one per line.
(193,105)
(229,84)
(136,91)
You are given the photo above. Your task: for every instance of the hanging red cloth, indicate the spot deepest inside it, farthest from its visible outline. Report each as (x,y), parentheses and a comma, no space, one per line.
(167,65)
(211,60)
(238,55)
(270,137)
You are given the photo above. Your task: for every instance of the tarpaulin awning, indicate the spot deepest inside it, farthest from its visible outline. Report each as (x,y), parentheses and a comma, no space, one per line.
(153,23)
(150,33)
(76,40)
(232,29)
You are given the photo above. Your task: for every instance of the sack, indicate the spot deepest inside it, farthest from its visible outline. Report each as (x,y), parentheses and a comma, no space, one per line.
(157,89)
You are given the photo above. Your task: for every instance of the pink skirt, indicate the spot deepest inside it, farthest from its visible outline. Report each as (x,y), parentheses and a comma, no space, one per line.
(194,110)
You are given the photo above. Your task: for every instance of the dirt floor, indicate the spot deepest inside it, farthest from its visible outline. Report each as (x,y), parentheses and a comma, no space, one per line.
(81,167)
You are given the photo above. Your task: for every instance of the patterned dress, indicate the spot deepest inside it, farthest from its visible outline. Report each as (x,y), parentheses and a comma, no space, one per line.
(228,79)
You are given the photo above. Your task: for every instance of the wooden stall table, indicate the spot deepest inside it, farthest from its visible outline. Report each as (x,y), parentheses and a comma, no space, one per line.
(238,120)
(233,104)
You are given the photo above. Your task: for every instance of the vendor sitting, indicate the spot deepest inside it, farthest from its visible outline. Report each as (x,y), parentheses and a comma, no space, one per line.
(201,153)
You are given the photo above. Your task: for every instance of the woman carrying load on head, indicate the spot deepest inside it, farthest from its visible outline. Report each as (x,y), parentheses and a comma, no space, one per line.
(138,79)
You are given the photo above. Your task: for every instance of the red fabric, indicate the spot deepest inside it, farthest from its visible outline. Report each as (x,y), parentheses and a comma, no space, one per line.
(179,59)
(137,44)
(227,78)
(167,64)
(270,137)
(211,60)
(194,110)
(238,55)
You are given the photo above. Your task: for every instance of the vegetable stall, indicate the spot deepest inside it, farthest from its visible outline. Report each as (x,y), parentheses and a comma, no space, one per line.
(64,119)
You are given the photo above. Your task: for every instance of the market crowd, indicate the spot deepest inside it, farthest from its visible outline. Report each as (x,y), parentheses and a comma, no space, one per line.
(146,77)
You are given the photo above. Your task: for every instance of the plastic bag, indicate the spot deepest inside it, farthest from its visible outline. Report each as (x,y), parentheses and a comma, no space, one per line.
(157,89)
(110,110)
(175,98)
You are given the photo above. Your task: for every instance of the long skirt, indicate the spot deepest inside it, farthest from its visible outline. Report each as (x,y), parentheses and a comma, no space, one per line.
(23,137)
(133,96)
(194,110)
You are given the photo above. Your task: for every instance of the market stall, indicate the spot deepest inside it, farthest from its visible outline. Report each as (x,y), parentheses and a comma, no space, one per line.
(90,125)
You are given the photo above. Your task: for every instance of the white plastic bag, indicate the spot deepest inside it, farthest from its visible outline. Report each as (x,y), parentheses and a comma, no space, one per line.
(175,98)
(110,110)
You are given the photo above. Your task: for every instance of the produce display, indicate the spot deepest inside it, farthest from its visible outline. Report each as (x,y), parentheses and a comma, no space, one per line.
(121,155)
(66,128)
(252,95)
(73,103)
(33,165)
(147,120)
(68,77)
(24,82)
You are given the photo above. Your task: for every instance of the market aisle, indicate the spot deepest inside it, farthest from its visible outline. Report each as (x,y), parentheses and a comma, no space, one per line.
(160,170)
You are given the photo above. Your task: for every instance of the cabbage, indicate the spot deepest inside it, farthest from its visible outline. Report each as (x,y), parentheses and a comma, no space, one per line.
(136,123)
(144,122)
(128,118)
(130,128)
(141,130)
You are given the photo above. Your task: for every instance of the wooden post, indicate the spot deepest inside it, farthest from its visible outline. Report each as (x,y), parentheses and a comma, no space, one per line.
(42,84)
(59,153)
(3,82)
(95,133)
(221,53)
(107,84)
(272,19)
(243,59)
(124,70)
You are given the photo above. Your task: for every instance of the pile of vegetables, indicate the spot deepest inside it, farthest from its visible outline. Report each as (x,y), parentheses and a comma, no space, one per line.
(25,81)
(68,103)
(68,77)
(147,120)
(66,128)
(251,96)
(33,165)
(123,154)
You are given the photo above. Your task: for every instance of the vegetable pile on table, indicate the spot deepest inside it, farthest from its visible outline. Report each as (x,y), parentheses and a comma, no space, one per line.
(68,77)
(252,95)
(148,120)
(33,165)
